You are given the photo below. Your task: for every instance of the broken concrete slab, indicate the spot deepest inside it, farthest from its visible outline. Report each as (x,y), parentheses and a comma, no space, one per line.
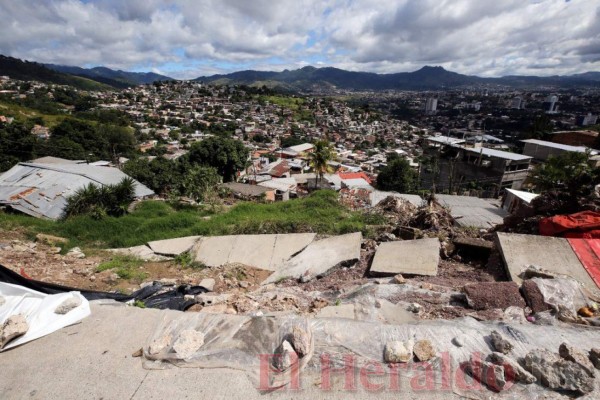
(552,254)
(409,257)
(268,252)
(173,247)
(142,252)
(380,310)
(319,257)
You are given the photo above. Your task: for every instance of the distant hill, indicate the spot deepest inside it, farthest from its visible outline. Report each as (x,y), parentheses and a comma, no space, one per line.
(111,77)
(426,78)
(32,71)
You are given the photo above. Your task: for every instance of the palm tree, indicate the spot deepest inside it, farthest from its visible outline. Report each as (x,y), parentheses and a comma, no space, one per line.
(320,157)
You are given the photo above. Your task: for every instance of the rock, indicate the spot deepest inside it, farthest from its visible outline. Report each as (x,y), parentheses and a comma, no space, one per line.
(557,373)
(398,279)
(414,307)
(512,369)
(207,299)
(491,375)
(300,340)
(160,344)
(54,250)
(208,283)
(398,352)
(500,344)
(138,353)
(515,315)
(75,252)
(68,305)
(285,356)
(50,239)
(595,357)
(424,350)
(167,281)
(460,340)
(188,343)
(565,314)
(570,353)
(12,328)
(244,284)
(216,309)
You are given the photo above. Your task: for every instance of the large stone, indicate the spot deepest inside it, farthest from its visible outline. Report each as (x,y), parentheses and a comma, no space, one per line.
(160,344)
(557,373)
(68,304)
(285,356)
(487,295)
(319,257)
(490,374)
(534,297)
(301,340)
(14,327)
(570,353)
(188,343)
(75,252)
(398,352)
(513,371)
(410,257)
(173,247)
(208,284)
(500,344)
(424,350)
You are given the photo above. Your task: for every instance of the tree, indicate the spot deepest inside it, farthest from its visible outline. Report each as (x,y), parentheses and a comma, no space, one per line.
(569,172)
(226,155)
(397,176)
(161,175)
(198,181)
(320,157)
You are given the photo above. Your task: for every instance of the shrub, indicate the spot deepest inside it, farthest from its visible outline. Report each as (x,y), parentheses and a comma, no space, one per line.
(100,201)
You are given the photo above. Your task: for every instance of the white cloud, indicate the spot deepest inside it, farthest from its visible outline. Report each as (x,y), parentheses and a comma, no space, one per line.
(189,38)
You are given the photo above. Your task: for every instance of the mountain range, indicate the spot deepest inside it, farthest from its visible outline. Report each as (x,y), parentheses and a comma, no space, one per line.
(303,79)
(426,78)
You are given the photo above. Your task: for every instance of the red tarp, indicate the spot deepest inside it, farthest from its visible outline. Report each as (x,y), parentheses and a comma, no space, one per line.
(588,252)
(585,224)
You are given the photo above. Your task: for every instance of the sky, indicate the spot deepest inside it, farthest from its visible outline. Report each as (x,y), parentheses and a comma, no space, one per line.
(185,39)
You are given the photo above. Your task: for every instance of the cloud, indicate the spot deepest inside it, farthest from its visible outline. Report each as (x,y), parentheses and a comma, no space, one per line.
(187,38)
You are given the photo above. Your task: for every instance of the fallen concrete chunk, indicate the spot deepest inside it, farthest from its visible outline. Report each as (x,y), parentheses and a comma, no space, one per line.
(557,373)
(141,252)
(491,375)
(515,315)
(554,255)
(500,344)
(12,328)
(319,257)
(398,352)
(208,284)
(412,257)
(173,247)
(268,252)
(570,353)
(487,295)
(424,350)
(68,305)
(188,343)
(513,371)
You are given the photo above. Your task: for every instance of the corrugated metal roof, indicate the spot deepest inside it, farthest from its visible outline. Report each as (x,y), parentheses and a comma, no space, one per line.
(41,190)
(565,147)
(473,211)
(445,139)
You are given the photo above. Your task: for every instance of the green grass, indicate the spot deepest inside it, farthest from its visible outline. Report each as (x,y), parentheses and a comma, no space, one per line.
(21,114)
(155,220)
(127,267)
(293,103)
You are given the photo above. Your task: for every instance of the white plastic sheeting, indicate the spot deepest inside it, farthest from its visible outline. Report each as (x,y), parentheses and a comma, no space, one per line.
(38,309)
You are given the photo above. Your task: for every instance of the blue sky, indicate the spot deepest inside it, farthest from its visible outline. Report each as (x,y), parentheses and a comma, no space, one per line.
(187,38)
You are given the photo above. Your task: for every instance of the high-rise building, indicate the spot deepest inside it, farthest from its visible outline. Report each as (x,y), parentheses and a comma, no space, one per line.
(431,106)
(551,104)
(586,120)
(518,103)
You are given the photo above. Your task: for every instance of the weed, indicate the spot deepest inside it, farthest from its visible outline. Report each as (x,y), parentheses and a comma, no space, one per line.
(127,267)
(139,303)
(338,302)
